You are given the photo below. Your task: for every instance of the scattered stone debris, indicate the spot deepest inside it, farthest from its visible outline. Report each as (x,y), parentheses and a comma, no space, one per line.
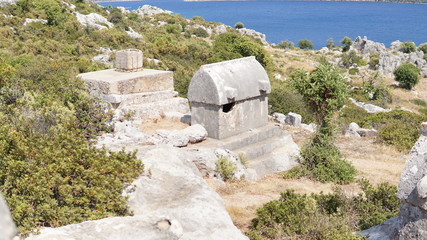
(370,108)
(355,131)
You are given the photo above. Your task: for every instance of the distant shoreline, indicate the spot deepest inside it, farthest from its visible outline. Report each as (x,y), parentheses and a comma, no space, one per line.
(390,1)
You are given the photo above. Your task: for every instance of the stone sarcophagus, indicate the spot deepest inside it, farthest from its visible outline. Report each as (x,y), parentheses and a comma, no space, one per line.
(230,97)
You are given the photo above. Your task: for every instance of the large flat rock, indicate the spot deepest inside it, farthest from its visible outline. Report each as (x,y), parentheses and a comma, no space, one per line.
(112,82)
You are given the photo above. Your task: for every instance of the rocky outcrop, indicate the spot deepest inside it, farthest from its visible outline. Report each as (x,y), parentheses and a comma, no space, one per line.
(93,20)
(7,2)
(370,108)
(133,34)
(412,220)
(7,227)
(254,34)
(366,47)
(171,201)
(147,10)
(389,60)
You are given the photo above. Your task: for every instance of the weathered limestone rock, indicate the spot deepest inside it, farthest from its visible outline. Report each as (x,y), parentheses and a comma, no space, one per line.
(172,201)
(412,220)
(220,29)
(7,227)
(129,60)
(355,131)
(370,108)
(366,47)
(30,20)
(147,10)
(133,34)
(180,138)
(253,33)
(234,158)
(293,119)
(93,20)
(109,81)
(229,97)
(7,2)
(396,46)
(279,117)
(176,189)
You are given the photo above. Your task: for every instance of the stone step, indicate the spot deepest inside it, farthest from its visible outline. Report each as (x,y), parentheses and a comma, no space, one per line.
(126,100)
(251,137)
(280,159)
(259,149)
(158,108)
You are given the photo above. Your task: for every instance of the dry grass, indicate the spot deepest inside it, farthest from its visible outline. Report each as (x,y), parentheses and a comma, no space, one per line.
(150,126)
(375,162)
(292,59)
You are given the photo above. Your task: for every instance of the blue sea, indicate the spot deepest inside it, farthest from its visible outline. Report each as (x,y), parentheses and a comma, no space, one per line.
(313,20)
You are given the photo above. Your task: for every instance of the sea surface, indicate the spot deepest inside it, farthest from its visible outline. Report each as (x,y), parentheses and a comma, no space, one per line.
(313,20)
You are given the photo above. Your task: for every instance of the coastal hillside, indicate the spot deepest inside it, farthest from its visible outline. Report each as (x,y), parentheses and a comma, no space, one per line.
(79,157)
(392,1)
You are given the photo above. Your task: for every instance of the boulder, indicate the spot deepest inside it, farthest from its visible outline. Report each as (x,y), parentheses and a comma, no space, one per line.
(253,33)
(133,34)
(8,230)
(176,189)
(175,138)
(4,3)
(30,20)
(366,47)
(370,108)
(170,201)
(396,46)
(196,133)
(293,119)
(93,20)
(220,29)
(279,117)
(147,10)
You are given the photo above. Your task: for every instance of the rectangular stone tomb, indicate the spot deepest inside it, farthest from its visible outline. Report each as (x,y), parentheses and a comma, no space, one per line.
(230,97)
(113,82)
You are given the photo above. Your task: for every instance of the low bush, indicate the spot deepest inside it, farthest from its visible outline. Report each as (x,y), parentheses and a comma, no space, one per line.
(374,60)
(350,58)
(239,25)
(407,74)
(284,99)
(225,168)
(423,47)
(321,160)
(353,71)
(324,216)
(347,43)
(305,44)
(408,47)
(200,32)
(286,45)
(398,128)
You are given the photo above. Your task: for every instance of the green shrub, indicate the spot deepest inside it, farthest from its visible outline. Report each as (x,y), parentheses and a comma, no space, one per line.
(286,45)
(324,162)
(423,47)
(200,32)
(347,43)
(58,178)
(407,74)
(419,102)
(284,99)
(324,216)
(374,60)
(350,58)
(351,113)
(408,47)
(353,71)
(305,44)
(225,168)
(398,128)
(330,43)
(239,25)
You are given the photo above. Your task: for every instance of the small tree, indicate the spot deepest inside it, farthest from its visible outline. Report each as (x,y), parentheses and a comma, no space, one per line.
(286,44)
(305,44)
(407,74)
(325,90)
(408,47)
(347,43)
(239,25)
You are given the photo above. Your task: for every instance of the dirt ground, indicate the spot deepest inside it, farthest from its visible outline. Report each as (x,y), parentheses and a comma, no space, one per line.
(375,162)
